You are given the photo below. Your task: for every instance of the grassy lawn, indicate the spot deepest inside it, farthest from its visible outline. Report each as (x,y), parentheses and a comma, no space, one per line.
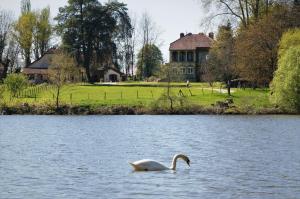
(132,94)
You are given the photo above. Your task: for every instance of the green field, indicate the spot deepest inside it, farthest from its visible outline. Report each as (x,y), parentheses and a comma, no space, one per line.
(134,93)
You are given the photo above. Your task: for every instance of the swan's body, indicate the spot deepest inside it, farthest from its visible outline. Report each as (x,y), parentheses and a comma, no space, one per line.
(152,165)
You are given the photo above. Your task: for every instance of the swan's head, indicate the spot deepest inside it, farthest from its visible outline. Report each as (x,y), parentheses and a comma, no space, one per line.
(185,158)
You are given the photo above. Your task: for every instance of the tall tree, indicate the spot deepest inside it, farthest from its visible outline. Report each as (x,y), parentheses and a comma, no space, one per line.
(256,47)
(24,34)
(244,11)
(25,6)
(220,63)
(23,30)
(90,31)
(5,30)
(122,35)
(41,32)
(149,35)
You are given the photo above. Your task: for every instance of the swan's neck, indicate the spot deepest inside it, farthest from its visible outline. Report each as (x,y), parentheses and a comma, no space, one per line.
(174,162)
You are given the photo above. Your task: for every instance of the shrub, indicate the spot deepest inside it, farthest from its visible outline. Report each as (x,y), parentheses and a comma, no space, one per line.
(286,83)
(15,83)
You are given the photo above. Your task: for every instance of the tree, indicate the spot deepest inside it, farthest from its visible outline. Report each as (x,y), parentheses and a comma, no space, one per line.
(5,29)
(25,6)
(286,83)
(15,83)
(61,71)
(149,60)
(122,36)
(127,49)
(12,55)
(42,31)
(132,43)
(33,31)
(256,47)
(149,34)
(90,31)
(24,34)
(170,73)
(244,11)
(220,63)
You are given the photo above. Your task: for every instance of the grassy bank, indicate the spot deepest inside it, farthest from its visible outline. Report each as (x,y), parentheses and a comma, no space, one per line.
(132,98)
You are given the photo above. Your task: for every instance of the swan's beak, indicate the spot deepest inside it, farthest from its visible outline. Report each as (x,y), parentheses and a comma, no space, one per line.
(188,162)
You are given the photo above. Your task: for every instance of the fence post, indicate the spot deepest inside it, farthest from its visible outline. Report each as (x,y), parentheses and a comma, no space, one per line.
(152,94)
(71,97)
(104,95)
(191,92)
(202,91)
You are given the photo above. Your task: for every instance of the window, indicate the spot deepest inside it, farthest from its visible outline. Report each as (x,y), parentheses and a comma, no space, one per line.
(190,71)
(183,70)
(182,56)
(31,77)
(175,71)
(202,57)
(190,56)
(174,56)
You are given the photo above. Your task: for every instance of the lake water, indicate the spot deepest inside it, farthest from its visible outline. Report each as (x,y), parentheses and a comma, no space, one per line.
(87,157)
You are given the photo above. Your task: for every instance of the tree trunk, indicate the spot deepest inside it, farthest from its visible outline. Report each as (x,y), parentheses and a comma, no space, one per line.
(57,97)
(5,69)
(256,10)
(27,58)
(228,87)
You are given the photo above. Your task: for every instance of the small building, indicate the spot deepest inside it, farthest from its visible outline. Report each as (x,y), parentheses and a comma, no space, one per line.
(108,74)
(37,71)
(189,53)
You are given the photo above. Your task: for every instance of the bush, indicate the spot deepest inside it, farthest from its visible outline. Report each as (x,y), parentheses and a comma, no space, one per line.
(15,83)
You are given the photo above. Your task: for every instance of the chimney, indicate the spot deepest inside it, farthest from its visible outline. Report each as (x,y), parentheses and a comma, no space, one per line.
(181,35)
(211,35)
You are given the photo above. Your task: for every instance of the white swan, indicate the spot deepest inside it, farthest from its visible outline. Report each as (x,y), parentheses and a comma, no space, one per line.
(152,165)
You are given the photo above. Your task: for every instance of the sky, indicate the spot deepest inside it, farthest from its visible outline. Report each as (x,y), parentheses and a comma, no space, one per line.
(171,16)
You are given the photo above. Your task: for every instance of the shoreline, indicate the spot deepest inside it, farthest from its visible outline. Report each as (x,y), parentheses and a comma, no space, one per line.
(26,109)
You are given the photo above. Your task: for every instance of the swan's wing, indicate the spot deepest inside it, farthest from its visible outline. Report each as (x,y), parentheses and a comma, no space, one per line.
(148,165)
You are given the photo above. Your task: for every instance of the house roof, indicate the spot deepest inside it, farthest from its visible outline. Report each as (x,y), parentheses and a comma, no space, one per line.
(110,68)
(191,42)
(43,62)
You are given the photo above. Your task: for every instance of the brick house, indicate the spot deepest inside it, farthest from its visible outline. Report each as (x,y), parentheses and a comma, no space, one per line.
(189,53)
